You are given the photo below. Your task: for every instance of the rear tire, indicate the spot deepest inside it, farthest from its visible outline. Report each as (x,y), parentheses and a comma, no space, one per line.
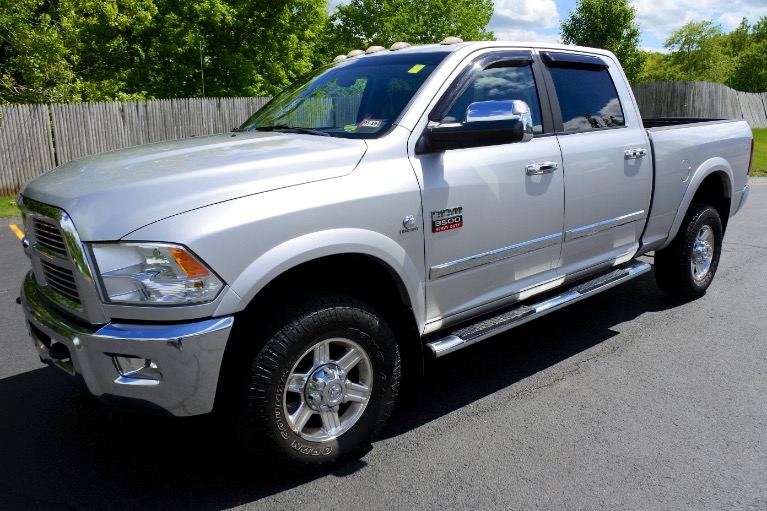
(686,267)
(322,386)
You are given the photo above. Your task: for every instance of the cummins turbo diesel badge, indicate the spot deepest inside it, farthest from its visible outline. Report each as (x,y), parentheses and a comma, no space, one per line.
(446,219)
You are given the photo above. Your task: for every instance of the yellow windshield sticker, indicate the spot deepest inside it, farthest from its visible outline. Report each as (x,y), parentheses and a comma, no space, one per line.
(416,68)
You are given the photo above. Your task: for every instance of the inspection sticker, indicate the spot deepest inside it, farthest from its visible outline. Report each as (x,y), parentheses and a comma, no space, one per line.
(370,123)
(413,70)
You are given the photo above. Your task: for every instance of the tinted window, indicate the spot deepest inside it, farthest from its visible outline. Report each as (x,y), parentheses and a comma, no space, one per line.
(356,98)
(500,81)
(587,98)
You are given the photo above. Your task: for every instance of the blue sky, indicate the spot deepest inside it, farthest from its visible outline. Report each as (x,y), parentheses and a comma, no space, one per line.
(538,20)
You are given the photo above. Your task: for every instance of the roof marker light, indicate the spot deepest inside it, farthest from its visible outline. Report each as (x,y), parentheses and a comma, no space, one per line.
(340,58)
(355,53)
(399,46)
(451,40)
(374,49)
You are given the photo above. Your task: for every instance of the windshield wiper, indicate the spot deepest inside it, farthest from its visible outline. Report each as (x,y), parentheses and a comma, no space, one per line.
(297,129)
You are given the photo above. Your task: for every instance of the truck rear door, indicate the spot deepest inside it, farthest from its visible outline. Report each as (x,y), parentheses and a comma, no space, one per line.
(606,157)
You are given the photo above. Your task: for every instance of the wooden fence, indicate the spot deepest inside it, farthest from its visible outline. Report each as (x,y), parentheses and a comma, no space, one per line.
(700,99)
(36,138)
(26,145)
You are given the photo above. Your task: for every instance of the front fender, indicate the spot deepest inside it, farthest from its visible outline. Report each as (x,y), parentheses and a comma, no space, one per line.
(316,245)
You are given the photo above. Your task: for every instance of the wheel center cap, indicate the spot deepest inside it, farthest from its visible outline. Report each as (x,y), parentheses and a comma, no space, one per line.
(701,252)
(326,388)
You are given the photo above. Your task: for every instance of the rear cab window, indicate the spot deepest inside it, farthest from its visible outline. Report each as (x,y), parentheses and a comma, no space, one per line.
(588,99)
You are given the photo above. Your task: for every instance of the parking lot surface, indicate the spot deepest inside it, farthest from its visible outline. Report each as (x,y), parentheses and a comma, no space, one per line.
(624,401)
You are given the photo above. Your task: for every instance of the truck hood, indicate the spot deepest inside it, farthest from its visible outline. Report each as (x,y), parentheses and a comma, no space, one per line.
(112,194)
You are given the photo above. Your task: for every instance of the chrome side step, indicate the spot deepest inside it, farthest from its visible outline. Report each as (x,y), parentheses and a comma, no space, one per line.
(509,319)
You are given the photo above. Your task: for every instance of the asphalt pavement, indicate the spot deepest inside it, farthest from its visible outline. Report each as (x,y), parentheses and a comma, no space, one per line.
(626,400)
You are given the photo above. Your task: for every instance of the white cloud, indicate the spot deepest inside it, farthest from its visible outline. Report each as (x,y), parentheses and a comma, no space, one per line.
(523,20)
(527,13)
(525,35)
(661,19)
(538,20)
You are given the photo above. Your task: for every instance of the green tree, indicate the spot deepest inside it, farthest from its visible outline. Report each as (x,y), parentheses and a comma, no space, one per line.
(750,68)
(698,52)
(71,50)
(608,24)
(363,23)
(36,56)
(657,67)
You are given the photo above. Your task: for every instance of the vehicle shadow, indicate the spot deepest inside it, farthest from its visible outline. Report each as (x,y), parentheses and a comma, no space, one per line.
(506,359)
(61,451)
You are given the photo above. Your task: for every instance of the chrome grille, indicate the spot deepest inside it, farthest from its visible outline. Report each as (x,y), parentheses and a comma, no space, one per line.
(59,263)
(58,272)
(49,238)
(61,280)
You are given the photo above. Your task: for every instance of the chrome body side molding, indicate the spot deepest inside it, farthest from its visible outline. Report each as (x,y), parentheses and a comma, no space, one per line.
(500,254)
(588,230)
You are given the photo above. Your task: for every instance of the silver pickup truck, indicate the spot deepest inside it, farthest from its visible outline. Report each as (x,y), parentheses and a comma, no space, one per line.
(392,206)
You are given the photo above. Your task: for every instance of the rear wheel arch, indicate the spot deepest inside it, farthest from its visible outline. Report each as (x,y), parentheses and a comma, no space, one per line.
(716,191)
(712,186)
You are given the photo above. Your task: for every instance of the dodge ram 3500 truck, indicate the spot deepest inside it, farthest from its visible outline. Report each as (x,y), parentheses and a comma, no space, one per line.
(389,207)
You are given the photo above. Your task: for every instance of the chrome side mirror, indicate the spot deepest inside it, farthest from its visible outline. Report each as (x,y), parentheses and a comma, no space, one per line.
(507,110)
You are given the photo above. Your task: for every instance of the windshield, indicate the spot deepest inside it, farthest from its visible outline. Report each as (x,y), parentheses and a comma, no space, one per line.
(356,98)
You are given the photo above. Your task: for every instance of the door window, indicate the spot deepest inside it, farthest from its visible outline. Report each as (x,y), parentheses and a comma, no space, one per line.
(587,98)
(505,80)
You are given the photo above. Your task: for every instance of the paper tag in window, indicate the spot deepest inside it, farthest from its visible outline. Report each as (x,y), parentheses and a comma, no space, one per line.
(370,123)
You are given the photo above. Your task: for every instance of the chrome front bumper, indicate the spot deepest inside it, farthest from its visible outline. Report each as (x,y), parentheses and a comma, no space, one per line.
(182,361)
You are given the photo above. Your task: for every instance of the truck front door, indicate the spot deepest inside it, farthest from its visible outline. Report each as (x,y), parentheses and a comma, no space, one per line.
(492,226)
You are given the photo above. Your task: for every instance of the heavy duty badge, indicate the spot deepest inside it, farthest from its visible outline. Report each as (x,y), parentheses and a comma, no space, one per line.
(446,219)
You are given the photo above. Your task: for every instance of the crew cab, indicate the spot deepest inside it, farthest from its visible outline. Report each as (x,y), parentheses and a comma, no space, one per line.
(394,205)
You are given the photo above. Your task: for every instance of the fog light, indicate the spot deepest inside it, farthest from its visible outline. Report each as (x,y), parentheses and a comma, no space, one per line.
(136,370)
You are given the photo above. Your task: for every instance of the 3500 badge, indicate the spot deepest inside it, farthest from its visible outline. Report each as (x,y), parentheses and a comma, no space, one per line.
(446,219)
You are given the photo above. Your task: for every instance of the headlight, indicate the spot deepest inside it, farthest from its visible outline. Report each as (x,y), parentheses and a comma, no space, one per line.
(154,274)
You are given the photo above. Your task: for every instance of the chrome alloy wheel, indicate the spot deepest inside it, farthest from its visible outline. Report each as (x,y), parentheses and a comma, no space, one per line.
(328,389)
(702,253)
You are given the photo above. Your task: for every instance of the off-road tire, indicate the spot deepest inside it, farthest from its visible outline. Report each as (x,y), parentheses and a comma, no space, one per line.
(686,267)
(305,371)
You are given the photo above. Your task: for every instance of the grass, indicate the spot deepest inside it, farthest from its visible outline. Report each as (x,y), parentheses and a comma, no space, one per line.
(8,207)
(759,167)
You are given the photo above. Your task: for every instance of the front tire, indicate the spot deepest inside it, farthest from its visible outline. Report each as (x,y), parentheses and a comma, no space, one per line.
(323,385)
(687,266)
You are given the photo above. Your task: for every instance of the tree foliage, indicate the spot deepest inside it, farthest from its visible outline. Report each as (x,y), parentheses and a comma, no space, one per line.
(697,51)
(702,51)
(362,23)
(72,50)
(608,24)
(85,50)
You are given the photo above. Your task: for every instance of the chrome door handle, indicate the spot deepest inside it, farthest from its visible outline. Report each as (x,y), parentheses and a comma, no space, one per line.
(536,169)
(633,154)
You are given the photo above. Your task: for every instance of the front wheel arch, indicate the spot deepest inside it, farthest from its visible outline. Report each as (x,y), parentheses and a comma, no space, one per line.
(322,384)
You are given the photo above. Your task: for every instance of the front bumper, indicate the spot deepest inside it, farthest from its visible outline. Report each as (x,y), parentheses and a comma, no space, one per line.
(185,357)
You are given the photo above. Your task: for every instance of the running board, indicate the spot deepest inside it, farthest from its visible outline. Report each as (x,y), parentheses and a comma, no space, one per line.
(509,319)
